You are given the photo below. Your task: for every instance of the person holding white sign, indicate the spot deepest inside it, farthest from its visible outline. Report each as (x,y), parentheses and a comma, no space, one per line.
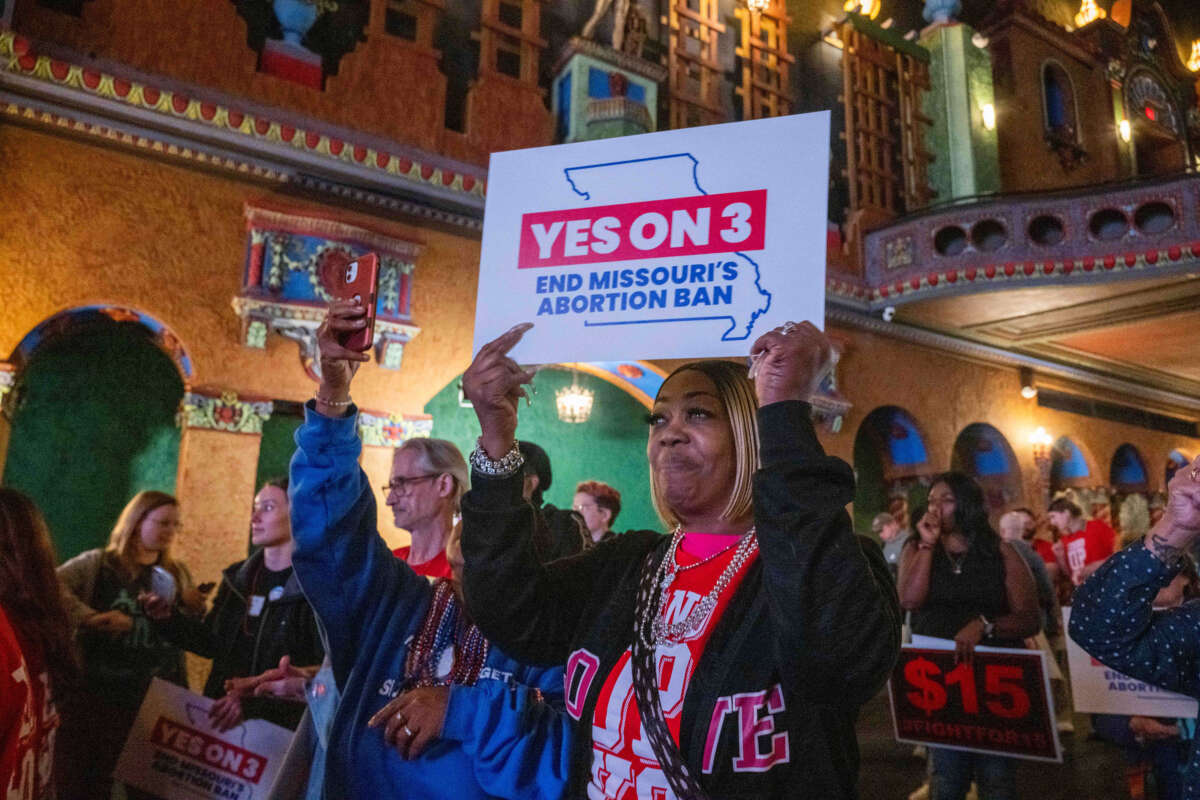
(963,583)
(731,657)
(1113,616)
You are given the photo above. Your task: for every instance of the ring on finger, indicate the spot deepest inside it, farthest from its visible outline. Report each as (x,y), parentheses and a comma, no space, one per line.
(408,732)
(1195,473)
(787,327)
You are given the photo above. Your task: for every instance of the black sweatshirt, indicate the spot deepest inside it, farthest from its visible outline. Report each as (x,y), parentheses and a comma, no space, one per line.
(814,615)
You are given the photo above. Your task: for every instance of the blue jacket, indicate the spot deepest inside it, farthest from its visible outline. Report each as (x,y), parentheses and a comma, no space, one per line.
(1112,618)
(498,740)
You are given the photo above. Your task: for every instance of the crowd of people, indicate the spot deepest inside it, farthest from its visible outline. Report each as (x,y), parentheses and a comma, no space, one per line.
(518,650)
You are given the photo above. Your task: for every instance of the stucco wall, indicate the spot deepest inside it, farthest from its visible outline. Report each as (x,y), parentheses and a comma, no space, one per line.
(946,393)
(113,227)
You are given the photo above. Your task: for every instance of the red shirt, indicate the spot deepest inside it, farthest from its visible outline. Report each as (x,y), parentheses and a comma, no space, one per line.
(436,567)
(28,719)
(1045,550)
(1093,543)
(623,763)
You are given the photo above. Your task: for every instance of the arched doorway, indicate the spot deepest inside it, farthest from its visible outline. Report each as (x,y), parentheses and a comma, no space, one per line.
(982,452)
(1069,466)
(890,461)
(1127,472)
(610,446)
(93,420)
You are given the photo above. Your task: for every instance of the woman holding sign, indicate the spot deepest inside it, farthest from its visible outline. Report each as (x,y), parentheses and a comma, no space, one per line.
(963,583)
(729,658)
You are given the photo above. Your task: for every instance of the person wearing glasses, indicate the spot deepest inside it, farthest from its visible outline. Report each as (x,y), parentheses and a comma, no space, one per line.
(429,477)
(428,706)
(598,504)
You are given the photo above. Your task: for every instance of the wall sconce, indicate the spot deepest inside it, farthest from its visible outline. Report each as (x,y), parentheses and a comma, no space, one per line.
(1193,62)
(1041,441)
(989,116)
(868,8)
(1125,129)
(1028,390)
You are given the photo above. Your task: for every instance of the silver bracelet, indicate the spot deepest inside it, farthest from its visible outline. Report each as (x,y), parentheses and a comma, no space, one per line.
(333,403)
(508,465)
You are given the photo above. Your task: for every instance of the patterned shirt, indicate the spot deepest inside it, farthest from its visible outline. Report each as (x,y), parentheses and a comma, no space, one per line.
(1113,619)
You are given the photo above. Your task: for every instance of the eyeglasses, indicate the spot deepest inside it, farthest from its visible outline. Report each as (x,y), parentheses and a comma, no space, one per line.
(400,484)
(581,506)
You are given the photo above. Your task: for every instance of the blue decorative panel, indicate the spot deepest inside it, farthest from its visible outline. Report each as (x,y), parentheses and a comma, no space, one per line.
(1127,467)
(1069,461)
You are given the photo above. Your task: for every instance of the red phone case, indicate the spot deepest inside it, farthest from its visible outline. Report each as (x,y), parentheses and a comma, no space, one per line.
(360,278)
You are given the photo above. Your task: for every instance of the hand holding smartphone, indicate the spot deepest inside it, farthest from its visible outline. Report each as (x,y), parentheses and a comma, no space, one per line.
(359,280)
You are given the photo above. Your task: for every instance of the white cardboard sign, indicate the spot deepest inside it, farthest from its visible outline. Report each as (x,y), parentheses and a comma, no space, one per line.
(1097,689)
(678,244)
(173,752)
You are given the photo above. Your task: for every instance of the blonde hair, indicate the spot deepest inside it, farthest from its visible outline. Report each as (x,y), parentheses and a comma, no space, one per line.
(442,457)
(123,541)
(736,394)
(1134,518)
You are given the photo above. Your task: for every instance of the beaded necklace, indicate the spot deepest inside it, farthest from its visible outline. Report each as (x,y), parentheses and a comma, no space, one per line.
(667,634)
(445,625)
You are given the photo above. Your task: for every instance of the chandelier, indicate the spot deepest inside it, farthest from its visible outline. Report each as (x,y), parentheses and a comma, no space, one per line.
(574,402)
(758,6)
(1088,12)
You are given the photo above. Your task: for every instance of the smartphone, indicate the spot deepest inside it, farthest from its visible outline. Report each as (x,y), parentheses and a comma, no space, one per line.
(162,583)
(359,279)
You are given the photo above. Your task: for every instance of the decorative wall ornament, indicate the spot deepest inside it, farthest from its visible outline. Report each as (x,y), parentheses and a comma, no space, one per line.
(379,429)
(223,412)
(303,40)
(290,258)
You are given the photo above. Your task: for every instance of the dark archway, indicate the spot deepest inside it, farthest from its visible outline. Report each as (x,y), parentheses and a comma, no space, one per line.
(1069,466)
(890,460)
(1127,472)
(982,452)
(93,423)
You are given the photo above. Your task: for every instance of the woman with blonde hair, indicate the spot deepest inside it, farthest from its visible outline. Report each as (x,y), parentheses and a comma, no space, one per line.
(730,657)
(37,662)
(121,650)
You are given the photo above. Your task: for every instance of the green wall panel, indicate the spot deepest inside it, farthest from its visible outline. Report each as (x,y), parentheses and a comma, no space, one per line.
(609,447)
(95,424)
(278,445)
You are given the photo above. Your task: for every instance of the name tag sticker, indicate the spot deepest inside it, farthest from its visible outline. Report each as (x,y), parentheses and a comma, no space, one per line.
(256,604)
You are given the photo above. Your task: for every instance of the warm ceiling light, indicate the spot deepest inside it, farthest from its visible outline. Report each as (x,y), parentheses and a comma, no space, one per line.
(1028,390)
(989,116)
(1126,131)
(1194,61)
(1088,12)
(758,6)
(868,8)
(574,403)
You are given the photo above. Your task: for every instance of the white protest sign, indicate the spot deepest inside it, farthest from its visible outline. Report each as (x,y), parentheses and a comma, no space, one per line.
(173,752)
(678,244)
(1097,689)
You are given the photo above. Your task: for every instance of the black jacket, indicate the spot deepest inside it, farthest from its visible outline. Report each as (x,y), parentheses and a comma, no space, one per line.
(814,616)
(288,627)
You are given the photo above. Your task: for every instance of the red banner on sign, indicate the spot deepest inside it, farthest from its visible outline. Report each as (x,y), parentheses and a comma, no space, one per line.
(208,750)
(672,228)
(997,704)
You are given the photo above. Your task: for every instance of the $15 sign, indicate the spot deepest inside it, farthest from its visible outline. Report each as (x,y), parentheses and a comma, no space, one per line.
(1004,694)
